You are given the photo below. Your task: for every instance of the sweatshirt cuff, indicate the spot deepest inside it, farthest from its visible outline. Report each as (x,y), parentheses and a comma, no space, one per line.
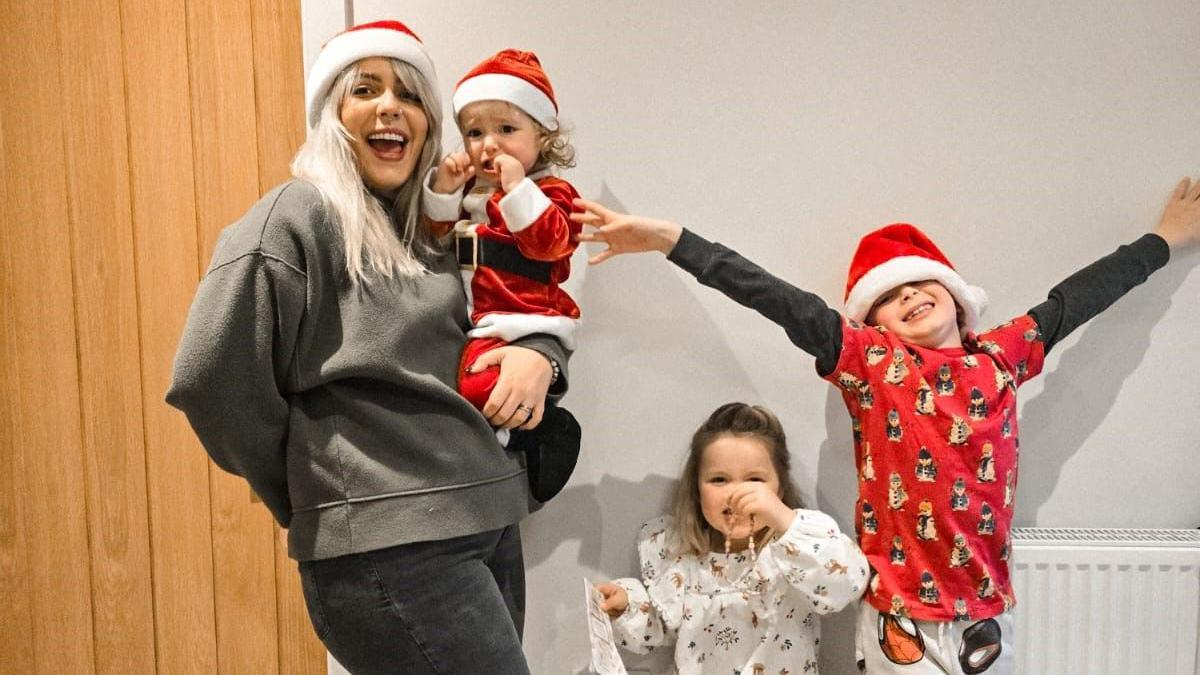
(692,252)
(439,207)
(1153,249)
(525,204)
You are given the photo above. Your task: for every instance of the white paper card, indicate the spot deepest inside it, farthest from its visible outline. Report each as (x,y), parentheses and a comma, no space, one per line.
(605,659)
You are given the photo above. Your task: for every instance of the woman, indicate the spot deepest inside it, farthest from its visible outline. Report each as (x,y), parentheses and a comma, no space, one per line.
(319,361)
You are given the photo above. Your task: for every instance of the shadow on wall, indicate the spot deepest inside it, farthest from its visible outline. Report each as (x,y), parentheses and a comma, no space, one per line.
(577,514)
(1081,390)
(837,491)
(651,365)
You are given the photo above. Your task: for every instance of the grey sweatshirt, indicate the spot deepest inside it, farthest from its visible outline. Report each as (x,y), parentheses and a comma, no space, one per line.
(338,403)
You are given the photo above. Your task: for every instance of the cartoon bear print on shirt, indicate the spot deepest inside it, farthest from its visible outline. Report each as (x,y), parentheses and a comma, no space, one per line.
(944,384)
(960,554)
(924,398)
(896,371)
(926,529)
(896,493)
(926,469)
(959,501)
(977,408)
(928,592)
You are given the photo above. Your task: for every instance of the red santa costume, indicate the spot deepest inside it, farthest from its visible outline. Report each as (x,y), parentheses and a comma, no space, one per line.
(514,248)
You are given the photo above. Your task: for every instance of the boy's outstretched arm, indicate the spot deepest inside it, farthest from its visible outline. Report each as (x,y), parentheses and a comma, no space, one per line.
(1091,290)
(810,324)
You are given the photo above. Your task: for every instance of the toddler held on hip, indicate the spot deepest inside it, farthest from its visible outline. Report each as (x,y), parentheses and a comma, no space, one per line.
(737,573)
(509,215)
(933,411)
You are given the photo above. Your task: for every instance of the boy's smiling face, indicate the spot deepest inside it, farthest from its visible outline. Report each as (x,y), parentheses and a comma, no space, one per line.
(922,313)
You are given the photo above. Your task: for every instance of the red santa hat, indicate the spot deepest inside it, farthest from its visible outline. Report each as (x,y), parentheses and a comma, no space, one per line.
(389,39)
(513,76)
(899,254)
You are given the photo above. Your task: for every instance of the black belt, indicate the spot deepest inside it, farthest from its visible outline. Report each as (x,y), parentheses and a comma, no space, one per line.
(475,251)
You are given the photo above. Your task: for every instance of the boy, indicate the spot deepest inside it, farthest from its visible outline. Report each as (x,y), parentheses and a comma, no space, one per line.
(933,406)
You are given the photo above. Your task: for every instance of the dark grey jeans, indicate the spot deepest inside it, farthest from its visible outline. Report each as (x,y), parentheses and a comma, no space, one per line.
(438,607)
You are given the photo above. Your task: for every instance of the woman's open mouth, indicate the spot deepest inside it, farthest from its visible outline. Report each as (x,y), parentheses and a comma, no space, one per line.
(388,144)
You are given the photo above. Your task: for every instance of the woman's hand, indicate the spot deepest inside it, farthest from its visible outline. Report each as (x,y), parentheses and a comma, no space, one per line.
(624,233)
(519,397)
(615,599)
(1180,222)
(454,171)
(760,501)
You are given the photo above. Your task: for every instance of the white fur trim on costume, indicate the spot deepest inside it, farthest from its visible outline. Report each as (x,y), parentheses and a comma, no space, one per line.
(438,206)
(525,204)
(346,48)
(906,269)
(501,87)
(509,327)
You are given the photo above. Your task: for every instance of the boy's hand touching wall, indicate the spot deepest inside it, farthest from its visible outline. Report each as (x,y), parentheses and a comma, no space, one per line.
(1180,223)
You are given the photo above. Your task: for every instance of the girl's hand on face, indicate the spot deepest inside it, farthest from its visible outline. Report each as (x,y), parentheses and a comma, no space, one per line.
(757,499)
(616,600)
(454,171)
(1180,222)
(624,233)
(510,170)
(519,397)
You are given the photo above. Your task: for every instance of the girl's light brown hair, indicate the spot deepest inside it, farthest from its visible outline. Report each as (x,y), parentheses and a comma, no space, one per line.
(732,419)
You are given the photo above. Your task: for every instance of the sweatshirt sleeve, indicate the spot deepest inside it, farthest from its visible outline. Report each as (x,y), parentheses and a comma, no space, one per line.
(820,562)
(1091,290)
(231,366)
(810,324)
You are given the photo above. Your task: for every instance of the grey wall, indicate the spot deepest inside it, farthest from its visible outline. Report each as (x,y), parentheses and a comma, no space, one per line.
(1027,138)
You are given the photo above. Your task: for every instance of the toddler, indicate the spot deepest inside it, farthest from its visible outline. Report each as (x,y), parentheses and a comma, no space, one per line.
(509,216)
(736,575)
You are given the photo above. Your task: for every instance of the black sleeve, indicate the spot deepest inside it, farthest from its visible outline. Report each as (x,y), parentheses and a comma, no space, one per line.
(810,323)
(1086,293)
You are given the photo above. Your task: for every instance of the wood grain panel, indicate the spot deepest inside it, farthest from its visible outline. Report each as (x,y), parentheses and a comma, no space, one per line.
(42,367)
(226,168)
(107,327)
(162,192)
(279,96)
(16,615)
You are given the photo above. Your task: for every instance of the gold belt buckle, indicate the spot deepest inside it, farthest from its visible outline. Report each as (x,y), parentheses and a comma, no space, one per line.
(466,244)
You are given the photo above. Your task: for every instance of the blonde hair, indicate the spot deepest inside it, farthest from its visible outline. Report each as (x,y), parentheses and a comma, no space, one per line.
(554,147)
(692,531)
(390,244)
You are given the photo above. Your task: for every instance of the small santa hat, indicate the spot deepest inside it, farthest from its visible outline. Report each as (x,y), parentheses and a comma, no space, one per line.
(899,254)
(513,76)
(389,39)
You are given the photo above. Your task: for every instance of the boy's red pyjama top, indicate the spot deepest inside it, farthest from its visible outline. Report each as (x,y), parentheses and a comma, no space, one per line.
(935,438)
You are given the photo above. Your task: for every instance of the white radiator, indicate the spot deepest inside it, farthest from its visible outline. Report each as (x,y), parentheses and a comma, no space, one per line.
(1107,601)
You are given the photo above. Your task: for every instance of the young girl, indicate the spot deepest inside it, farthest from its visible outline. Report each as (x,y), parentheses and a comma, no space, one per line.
(736,575)
(514,238)
(933,406)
